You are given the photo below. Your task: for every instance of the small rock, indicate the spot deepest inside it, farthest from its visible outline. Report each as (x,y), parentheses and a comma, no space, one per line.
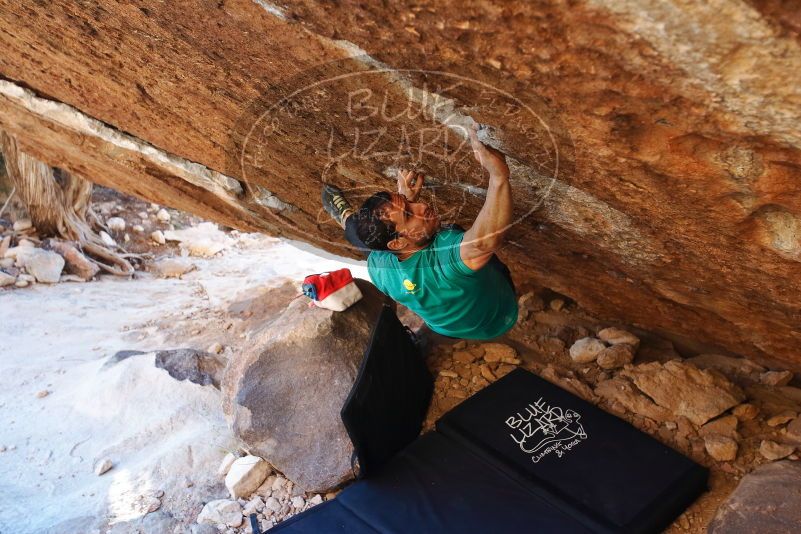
(498,352)
(316,499)
(44,265)
(227,461)
(448,374)
(775,451)
(21,282)
(487,373)
(464,356)
(272,504)
(279,483)
(246,475)
(794,430)
(616,356)
(721,448)
(163,215)
(557,304)
(158,237)
(298,502)
(776,378)
(729,366)
(723,426)
(42,394)
(221,513)
(173,267)
(528,304)
(76,262)
(6,279)
(138,228)
(6,263)
(615,336)
(22,225)
(781,418)
(116,224)
(586,350)
(215,348)
(459,345)
(5,244)
(253,506)
(103,466)
(107,239)
(745,412)
(71,278)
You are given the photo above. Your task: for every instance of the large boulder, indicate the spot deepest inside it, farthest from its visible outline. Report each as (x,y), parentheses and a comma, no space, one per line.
(768,501)
(283,392)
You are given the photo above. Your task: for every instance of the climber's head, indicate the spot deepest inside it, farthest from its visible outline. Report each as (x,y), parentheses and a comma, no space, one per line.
(388,221)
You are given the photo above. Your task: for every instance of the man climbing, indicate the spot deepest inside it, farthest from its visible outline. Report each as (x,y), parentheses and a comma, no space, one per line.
(451,278)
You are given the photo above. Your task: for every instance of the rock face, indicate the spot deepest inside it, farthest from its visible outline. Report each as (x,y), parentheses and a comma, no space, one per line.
(699,395)
(283,392)
(767,500)
(672,203)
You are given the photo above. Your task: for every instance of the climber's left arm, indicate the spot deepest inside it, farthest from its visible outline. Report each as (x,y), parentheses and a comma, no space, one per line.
(486,235)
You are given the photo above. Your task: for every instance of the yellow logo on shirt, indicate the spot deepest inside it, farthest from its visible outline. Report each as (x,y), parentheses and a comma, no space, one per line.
(409,285)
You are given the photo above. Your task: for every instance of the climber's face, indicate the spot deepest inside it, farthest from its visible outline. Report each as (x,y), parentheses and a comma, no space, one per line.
(415,222)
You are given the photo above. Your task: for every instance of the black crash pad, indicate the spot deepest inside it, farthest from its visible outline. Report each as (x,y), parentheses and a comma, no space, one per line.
(522,455)
(602,470)
(436,487)
(387,404)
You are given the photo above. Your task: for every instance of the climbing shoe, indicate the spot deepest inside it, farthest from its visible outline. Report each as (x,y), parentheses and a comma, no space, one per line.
(335,203)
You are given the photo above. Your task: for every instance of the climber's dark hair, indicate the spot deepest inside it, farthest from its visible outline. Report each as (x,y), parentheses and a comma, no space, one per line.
(374,232)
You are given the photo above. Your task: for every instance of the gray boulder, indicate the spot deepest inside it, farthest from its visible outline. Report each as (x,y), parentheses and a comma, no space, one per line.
(768,501)
(283,392)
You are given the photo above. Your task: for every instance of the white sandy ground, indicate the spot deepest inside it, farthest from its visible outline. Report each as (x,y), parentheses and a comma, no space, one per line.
(161,434)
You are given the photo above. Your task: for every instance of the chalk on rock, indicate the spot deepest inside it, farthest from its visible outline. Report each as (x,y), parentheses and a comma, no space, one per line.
(586,349)
(103,466)
(246,475)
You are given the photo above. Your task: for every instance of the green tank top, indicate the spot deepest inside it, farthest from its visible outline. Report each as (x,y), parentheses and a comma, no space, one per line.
(450,297)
